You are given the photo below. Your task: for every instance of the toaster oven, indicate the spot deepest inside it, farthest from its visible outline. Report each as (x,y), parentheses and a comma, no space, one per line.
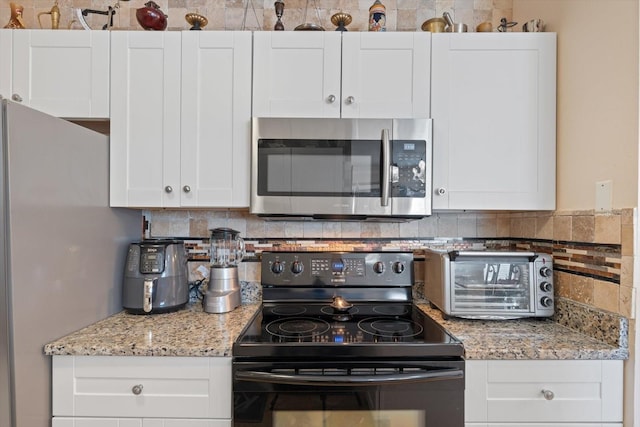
(489,284)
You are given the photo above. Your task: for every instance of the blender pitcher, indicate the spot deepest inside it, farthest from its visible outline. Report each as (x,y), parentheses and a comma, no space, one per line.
(227,247)
(227,251)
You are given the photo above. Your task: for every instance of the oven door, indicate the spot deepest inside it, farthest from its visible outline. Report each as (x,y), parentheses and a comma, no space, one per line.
(381,394)
(339,167)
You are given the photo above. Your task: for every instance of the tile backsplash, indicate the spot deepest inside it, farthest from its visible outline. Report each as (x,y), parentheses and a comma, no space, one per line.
(402,15)
(593,252)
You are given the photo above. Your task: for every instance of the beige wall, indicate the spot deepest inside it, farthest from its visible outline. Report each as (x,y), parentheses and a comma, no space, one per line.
(597,96)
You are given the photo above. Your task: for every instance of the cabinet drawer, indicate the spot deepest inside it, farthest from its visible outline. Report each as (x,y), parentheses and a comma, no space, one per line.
(512,391)
(166,387)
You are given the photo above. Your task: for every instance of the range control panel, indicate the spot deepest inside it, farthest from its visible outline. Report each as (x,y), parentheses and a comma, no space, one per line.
(337,269)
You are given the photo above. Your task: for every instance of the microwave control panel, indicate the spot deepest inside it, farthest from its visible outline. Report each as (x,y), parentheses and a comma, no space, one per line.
(409,168)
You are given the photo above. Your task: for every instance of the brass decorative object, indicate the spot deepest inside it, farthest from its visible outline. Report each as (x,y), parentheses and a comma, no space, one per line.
(341,20)
(55,16)
(308,26)
(434,25)
(279,7)
(196,21)
(16,21)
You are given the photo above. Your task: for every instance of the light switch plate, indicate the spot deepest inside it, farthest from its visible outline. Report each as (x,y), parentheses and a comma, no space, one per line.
(604,195)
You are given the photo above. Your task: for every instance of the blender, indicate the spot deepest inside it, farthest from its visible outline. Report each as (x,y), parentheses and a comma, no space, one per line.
(227,251)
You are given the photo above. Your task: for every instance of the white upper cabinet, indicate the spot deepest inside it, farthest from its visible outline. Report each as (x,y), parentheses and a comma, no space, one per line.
(60,72)
(493,103)
(181,116)
(216,118)
(333,74)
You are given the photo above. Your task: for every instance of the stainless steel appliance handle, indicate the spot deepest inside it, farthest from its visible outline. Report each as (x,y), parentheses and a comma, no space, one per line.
(484,254)
(348,380)
(386,166)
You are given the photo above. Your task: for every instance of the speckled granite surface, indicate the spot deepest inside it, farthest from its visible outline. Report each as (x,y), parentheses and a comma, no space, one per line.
(192,332)
(187,332)
(524,339)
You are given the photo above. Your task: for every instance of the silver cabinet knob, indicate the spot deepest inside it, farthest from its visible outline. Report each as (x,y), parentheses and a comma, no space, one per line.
(331,99)
(441,191)
(186,189)
(548,394)
(168,189)
(136,389)
(16,97)
(350,100)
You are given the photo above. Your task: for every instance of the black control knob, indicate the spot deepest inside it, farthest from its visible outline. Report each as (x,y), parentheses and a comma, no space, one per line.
(297,267)
(546,287)
(378,267)
(277,267)
(546,272)
(398,267)
(546,302)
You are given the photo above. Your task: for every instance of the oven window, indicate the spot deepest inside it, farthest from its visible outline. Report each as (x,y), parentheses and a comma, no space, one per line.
(481,284)
(329,168)
(389,418)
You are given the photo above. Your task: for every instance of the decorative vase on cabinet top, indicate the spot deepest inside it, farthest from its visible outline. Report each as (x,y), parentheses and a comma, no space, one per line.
(377,17)
(151,17)
(15,21)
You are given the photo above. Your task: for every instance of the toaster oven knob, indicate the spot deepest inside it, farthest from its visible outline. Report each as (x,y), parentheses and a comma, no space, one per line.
(546,272)
(546,287)
(546,301)
(398,267)
(277,267)
(378,267)
(297,267)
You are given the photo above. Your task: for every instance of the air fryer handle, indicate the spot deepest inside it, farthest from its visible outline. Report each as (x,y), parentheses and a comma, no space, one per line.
(147,295)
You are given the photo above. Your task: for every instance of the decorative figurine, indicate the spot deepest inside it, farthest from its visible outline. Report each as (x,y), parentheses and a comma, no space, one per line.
(377,17)
(279,6)
(151,17)
(196,21)
(16,20)
(55,16)
(504,25)
(341,20)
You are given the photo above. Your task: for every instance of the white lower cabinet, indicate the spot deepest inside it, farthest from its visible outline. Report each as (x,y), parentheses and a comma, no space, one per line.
(543,393)
(134,391)
(136,422)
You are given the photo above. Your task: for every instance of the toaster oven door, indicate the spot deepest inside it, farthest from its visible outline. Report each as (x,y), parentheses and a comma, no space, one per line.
(492,285)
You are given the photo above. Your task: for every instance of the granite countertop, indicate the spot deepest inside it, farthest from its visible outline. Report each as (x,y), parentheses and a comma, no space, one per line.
(192,332)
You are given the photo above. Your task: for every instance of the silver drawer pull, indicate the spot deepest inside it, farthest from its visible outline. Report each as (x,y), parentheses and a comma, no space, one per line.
(548,394)
(136,389)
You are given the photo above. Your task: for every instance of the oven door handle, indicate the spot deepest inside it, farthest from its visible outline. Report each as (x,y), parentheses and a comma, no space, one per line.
(349,380)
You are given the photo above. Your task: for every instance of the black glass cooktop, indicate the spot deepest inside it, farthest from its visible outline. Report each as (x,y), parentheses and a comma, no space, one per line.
(394,330)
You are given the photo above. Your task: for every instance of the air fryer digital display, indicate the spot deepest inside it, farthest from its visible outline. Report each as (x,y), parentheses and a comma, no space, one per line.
(151,259)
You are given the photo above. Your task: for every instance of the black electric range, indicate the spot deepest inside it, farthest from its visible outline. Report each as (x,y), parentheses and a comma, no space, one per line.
(336,305)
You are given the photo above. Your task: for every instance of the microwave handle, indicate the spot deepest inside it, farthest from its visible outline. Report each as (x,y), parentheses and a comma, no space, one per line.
(386,166)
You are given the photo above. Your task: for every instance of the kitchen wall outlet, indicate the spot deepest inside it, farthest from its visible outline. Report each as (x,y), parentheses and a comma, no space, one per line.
(604,195)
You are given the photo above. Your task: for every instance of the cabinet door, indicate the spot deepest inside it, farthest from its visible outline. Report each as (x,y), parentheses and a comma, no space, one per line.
(137,422)
(63,73)
(494,110)
(513,391)
(216,118)
(145,118)
(6,51)
(142,387)
(386,75)
(296,74)
(95,422)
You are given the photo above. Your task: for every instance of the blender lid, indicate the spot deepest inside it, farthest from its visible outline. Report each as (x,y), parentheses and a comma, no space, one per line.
(160,242)
(223,232)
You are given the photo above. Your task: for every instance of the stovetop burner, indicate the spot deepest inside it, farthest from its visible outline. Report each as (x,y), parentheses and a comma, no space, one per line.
(333,305)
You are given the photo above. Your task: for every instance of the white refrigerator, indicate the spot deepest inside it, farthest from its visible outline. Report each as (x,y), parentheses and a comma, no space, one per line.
(62,250)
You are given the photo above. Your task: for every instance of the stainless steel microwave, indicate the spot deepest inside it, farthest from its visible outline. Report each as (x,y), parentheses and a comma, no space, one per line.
(489,284)
(341,168)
